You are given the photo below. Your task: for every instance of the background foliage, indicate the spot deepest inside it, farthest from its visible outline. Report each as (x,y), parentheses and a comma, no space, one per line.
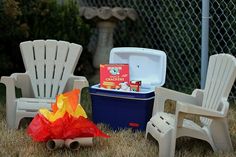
(22,20)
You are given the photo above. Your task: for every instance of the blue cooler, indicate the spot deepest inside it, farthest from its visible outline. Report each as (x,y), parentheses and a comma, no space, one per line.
(130,109)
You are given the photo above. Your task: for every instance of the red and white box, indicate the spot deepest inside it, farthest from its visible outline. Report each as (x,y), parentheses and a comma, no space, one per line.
(111,75)
(135,85)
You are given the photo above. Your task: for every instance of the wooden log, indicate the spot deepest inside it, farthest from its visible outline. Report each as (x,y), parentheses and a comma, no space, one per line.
(54,144)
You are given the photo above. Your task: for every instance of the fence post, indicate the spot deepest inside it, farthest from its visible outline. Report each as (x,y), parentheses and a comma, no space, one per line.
(205,41)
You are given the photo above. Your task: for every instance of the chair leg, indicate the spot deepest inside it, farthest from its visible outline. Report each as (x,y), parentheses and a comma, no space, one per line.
(10,114)
(220,135)
(166,147)
(165,140)
(147,129)
(11,124)
(21,115)
(17,122)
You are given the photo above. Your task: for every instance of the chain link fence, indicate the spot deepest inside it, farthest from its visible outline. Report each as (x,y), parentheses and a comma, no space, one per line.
(175,27)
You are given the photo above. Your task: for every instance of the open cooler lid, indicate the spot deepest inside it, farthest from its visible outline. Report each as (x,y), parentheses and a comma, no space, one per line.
(146,65)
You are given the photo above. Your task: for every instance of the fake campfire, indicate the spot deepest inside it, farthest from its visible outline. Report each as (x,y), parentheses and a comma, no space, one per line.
(66,124)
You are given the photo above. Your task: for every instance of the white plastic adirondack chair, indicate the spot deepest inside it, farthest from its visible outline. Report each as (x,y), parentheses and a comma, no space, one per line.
(49,68)
(210,104)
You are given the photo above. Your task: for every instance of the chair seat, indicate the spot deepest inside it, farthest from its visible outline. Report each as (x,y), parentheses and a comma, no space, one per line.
(33,104)
(165,121)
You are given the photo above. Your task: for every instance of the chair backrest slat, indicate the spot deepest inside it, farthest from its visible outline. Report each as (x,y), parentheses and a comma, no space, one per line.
(29,62)
(63,48)
(51,46)
(39,51)
(49,64)
(68,67)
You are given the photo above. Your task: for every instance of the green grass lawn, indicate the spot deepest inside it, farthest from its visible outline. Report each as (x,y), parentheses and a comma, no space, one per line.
(123,143)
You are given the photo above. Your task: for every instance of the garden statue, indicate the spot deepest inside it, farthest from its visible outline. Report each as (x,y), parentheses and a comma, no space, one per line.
(106,19)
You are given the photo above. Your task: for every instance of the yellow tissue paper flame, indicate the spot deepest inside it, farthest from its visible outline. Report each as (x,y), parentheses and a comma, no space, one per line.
(65,103)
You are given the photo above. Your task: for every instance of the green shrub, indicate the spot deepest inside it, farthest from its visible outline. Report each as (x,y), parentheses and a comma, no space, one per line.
(39,19)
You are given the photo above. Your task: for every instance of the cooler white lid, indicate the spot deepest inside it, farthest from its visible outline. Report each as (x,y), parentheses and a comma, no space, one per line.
(147,65)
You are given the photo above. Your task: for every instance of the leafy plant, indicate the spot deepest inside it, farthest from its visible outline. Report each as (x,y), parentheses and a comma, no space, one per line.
(39,19)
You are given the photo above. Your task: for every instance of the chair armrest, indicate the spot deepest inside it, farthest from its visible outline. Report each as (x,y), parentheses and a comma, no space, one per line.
(76,82)
(9,82)
(22,81)
(163,94)
(198,110)
(19,80)
(224,106)
(198,94)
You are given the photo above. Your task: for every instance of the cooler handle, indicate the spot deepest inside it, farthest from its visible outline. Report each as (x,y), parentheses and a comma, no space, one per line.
(134,125)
